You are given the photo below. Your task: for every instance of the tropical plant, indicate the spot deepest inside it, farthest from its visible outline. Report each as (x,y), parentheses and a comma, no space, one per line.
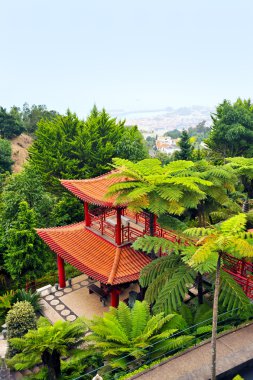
(124,335)
(160,189)
(6,302)
(168,278)
(243,167)
(228,237)
(34,298)
(47,344)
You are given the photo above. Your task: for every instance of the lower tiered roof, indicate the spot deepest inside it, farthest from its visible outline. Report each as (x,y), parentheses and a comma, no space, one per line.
(93,255)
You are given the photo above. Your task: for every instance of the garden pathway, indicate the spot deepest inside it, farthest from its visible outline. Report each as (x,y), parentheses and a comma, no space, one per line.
(233,349)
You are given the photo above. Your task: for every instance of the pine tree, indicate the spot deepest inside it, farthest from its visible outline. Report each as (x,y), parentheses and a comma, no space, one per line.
(186,148)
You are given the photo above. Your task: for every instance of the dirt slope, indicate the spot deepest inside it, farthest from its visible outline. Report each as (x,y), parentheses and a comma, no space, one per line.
(20,147)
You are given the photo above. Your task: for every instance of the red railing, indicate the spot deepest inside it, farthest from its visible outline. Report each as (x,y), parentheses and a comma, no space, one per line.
(100,224)
(130,234)
(241,271)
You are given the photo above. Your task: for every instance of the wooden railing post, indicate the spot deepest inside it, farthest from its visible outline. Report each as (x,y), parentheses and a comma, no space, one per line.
(87,215)
(118,227)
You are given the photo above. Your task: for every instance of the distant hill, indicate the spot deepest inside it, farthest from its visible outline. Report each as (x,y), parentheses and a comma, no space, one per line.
(20,147)
(160,121)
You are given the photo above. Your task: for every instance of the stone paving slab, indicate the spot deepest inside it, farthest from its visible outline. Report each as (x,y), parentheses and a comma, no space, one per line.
(75,301)
(232,349)
(3,348)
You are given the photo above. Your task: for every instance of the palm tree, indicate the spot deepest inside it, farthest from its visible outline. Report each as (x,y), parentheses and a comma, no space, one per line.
(228,237)
(124,335)
(47,344)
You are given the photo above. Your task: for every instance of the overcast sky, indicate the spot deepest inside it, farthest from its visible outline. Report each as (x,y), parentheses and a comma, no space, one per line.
(134,54)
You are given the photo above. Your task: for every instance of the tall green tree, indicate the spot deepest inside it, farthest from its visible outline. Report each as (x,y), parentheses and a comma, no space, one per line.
(25,257)
(48,344)
(186,148)
(5,156)
(10,124)
(232,129)
(66,147)
(32,115)
(228,237)
(25,186)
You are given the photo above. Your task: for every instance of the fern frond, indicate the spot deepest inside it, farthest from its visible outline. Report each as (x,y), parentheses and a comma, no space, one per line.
(198,231)
(203,330)
(124,317)
(153,243)
(234,225)
(140,317)
(174,290)
(171,344)
(155,287)
(232,295)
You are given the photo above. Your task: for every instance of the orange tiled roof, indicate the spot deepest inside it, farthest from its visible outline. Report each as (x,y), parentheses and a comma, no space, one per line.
(93,190)
(93,255)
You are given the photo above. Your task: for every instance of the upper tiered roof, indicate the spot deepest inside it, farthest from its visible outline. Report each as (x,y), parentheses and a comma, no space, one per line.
(93,255)
(93,190)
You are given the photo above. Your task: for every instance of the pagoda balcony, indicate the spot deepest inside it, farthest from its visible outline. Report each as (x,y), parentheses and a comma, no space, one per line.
(104,223)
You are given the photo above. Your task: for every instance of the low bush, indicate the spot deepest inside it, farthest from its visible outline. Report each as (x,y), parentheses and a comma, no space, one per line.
(19,320)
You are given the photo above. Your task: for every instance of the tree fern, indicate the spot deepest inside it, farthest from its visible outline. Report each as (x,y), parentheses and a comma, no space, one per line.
(145,332)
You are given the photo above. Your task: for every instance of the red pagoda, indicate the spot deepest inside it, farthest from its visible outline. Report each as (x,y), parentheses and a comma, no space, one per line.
(100,246)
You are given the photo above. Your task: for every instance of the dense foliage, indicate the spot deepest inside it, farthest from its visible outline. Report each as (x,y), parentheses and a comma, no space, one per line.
(66,147)
(5,156)
(10,124)
(24,258)
(232,130)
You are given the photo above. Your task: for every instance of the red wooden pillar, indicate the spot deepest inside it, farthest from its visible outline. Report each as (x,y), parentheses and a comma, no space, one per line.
(155,224)
(115,297)
(61,271)
(118,227)
(86,214)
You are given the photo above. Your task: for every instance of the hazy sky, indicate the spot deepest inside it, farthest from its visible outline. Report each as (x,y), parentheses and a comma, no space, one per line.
(131,54)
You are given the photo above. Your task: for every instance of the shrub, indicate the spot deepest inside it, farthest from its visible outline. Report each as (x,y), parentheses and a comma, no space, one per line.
(19,320)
